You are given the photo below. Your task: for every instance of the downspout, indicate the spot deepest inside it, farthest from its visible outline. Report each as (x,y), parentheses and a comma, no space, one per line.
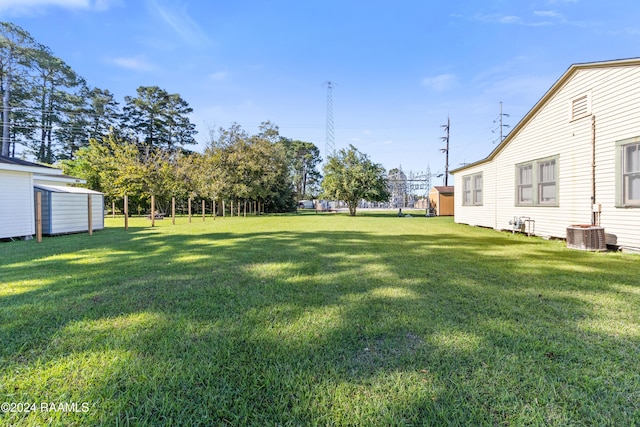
(594,214)
(495,194)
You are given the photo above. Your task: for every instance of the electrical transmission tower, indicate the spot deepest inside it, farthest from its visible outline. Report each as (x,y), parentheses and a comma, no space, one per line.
(329,143)
(428,180)
(501,126)
(445,150)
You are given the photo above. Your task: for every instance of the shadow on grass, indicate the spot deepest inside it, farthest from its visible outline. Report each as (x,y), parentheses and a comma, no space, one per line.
(347,327)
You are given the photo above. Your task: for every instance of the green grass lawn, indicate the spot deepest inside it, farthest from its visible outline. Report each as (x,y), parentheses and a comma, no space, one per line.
(317,320)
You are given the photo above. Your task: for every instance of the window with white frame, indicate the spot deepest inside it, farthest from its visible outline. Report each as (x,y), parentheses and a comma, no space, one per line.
(472,190)
(537,183)
(629,174)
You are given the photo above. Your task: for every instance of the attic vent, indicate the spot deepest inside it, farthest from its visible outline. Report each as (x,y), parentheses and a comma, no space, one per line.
(586,238)
(580,107)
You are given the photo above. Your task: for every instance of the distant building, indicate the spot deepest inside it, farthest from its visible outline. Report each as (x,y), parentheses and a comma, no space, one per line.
(441,200)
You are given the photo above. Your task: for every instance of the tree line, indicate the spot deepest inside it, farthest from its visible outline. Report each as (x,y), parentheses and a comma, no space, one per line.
(141,149)
(51,111)
(237,167)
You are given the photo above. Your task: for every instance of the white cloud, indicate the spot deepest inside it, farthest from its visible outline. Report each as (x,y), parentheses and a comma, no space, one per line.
(509,20)
(627,31)
(102,5)
(540,18)
(133,63)
(30,7)
(180,21)
(218,76)
(547,13)
(439,83)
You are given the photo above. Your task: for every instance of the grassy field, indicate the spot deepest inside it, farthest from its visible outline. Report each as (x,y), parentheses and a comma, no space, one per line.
(316,320)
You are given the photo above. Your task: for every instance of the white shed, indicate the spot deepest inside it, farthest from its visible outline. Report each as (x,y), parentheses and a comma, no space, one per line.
(17,207)
(16,203)
(66,209)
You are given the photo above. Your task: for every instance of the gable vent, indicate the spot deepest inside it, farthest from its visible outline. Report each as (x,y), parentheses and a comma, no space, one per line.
(580,107)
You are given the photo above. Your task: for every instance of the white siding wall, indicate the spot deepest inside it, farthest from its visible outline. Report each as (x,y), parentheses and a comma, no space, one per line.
(484,215)
(617,110)
(97,209)
(17,214)
(615,101)
(70,213)
(550,133)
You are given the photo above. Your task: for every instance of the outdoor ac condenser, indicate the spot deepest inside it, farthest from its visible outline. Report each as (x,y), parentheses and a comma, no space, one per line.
(586,238)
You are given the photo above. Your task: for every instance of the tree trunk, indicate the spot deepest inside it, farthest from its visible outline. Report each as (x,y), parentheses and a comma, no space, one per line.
(6,108)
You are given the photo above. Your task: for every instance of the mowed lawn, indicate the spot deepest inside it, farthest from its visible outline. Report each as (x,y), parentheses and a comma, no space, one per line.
(316,320)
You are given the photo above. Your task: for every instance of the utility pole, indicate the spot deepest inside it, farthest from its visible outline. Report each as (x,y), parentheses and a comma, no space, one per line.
(501,126)
(446,151)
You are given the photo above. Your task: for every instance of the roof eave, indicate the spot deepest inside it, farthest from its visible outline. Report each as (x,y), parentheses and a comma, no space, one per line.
(538,105)
(28,169)
(59,178)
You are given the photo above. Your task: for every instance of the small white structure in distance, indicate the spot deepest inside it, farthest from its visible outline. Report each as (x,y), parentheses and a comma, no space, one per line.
(66,209)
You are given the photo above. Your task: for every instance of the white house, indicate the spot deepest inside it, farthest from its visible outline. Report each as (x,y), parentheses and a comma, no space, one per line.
(573,159)
(18,180)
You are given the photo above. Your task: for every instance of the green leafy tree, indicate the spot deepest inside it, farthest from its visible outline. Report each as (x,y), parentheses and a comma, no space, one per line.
(103,111)
(303,158)
(23,123)
(157,119)
(351,176)
(72,130)
(242,167)
(47,106)
(52,87)
(16,45)
(270,179)
(118,168)
(90,163)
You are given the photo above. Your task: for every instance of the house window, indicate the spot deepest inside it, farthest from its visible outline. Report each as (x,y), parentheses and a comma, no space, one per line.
(629,176)
(466,190)
(525,184)
(580,107)
(477,189)
(537,183)
(547,182)
(472,190)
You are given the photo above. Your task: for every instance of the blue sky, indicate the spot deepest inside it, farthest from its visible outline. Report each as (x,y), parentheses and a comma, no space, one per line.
(400,67)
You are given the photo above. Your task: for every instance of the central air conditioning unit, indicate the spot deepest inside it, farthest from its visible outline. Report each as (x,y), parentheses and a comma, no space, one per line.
(586,238)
